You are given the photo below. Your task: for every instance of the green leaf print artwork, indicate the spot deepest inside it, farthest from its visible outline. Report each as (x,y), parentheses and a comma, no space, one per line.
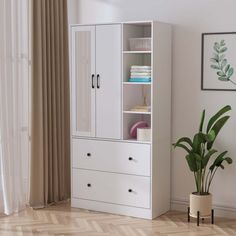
(223,69)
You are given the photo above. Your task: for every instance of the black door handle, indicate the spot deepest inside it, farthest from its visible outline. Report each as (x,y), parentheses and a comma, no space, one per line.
(98,81)
(92,80)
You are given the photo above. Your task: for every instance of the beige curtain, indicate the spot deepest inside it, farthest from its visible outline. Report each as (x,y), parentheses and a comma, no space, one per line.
(50,149)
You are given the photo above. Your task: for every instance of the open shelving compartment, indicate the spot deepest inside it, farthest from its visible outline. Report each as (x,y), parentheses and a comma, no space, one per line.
(136,93)
(136,30)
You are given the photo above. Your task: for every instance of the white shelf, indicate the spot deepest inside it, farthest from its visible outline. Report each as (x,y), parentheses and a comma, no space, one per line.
(138,112)
(137,52)
(141,83)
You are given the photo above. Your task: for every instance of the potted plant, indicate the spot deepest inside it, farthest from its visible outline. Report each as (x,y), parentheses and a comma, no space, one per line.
(199,152)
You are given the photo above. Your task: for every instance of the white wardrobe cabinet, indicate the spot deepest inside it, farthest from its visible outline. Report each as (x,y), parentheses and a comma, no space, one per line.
(111,169)
(96,81)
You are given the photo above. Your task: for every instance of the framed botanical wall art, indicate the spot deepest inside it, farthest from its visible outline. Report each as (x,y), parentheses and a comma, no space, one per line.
(218,61)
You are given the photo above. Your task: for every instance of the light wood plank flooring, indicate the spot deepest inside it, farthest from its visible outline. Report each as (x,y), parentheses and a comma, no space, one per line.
(62,220)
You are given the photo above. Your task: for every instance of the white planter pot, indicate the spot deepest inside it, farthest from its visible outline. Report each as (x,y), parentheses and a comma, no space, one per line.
(201,203)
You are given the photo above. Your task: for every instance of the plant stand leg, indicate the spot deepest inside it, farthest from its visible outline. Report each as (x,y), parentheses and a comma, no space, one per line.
(188,214)
(203,220)
(198,218)
(212,216)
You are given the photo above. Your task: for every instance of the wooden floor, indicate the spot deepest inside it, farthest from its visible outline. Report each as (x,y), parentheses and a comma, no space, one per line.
(62,220)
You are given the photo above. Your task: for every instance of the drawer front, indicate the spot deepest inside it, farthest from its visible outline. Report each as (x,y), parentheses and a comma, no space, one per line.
(118,157)
(111,188)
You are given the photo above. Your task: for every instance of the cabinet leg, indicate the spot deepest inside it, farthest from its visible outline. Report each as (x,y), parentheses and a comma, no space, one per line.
(188,214)
(212,216)
(198,218)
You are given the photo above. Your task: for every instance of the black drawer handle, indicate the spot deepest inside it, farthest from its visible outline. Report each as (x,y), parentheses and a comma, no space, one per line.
(88,154)
(130,190)
(89,185)
(130,158)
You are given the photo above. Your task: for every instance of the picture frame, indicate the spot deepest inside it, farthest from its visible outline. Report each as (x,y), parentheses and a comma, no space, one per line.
(218,61)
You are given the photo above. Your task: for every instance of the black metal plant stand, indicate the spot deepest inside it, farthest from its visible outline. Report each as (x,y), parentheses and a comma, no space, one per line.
(198,216)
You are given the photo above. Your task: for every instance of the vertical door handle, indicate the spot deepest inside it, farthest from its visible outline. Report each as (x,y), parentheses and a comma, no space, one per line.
(98,81)
(92,80)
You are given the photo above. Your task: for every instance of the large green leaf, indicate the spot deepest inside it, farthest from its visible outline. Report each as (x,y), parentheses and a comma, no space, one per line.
(202,121)
(191,160)
(198,139)
(228,160)
(207,157)
(198,159)
(218,160)
(217,116)
(183,146)
(210,136)
(216,128)
(201,138)
(184,140)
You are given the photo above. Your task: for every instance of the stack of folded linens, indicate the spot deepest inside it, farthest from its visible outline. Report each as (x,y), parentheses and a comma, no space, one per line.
(140,74)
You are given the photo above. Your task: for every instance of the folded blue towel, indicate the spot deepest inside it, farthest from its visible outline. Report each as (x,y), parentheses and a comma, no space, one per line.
(140,79)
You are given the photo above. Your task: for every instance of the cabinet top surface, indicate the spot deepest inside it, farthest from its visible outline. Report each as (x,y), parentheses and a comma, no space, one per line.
(148,22)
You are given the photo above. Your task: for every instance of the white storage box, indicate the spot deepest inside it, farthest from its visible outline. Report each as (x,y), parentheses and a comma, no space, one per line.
(144,134)
(140,44)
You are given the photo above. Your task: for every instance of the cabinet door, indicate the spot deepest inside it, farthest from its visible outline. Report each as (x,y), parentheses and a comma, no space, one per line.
(83,74)
(108,76)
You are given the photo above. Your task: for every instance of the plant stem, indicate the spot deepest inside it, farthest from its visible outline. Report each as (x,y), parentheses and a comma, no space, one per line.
(211,178)
(232,82)
(204,170)
(195,180)
(199,178)
(206,180)
(203,177)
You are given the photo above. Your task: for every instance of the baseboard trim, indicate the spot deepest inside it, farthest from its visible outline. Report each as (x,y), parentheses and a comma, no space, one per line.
(111,208)
(226,211)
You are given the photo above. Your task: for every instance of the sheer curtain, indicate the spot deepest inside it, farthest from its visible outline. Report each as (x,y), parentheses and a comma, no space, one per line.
(14,97)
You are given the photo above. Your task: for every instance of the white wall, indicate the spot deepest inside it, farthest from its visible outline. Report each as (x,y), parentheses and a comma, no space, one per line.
(190,18)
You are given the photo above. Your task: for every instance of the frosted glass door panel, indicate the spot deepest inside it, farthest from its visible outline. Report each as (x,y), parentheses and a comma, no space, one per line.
(83,72)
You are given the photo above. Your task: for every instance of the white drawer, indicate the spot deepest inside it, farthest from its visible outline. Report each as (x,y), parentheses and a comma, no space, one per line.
(118,157)
(111,188)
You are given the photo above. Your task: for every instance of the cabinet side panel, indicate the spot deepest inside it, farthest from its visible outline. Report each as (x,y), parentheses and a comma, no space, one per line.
(161,120)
